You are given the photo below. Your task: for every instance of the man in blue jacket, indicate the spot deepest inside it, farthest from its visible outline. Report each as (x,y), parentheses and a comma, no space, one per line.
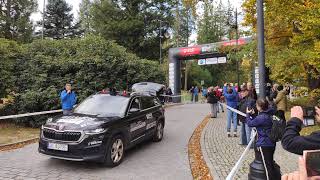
(68,99)
(231,96)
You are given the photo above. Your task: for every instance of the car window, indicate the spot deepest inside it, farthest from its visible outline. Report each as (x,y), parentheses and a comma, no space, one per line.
(147,102)
(135,104)
(156,101)
(103,105)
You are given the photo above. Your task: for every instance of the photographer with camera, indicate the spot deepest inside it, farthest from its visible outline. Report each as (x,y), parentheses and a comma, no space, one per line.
(292,141)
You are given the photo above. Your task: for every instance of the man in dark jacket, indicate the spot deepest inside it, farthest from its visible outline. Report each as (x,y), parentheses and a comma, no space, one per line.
(213,101)
(292,141)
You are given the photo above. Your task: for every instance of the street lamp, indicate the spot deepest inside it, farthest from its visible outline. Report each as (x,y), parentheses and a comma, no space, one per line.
(261,49)
(166,35)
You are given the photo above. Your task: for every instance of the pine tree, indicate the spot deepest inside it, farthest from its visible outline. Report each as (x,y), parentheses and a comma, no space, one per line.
(14,19)
(133,24)
(86,16)
(58,21)
(184,24)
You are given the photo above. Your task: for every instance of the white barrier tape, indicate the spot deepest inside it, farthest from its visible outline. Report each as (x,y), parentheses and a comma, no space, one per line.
(234,110)
(171,96)
(239,162)
(30,114)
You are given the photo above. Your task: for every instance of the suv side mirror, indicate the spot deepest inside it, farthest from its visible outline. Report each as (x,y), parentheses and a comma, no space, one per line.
(134,111)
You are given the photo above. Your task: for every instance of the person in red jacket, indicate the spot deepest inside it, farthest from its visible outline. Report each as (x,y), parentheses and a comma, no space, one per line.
(219,95)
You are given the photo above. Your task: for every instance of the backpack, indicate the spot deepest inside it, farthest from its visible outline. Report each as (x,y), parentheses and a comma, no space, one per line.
(278,128)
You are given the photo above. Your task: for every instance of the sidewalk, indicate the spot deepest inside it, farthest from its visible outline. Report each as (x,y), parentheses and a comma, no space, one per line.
(221,153)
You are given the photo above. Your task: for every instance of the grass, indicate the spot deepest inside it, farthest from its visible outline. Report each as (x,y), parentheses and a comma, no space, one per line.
(11,133)
(186,96)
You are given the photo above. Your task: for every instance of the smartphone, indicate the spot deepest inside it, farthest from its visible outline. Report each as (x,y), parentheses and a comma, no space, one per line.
(312,159)
(309,116)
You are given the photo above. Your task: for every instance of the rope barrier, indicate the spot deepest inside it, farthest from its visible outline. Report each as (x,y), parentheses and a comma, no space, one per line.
(44,112)
(245,152)
(30,114)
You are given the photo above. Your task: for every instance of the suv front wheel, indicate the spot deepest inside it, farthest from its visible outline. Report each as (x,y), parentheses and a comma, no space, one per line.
(115,151)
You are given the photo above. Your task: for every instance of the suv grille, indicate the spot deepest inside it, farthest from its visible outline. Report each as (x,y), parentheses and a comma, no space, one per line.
(62,136)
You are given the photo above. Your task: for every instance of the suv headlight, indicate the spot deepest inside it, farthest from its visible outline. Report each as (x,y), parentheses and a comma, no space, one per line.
(95,131)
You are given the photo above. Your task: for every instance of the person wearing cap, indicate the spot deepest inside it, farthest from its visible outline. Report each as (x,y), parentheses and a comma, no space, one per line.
(68,99)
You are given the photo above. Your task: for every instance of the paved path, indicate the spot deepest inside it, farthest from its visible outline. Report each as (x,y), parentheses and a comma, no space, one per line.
(221,153)
(167,159)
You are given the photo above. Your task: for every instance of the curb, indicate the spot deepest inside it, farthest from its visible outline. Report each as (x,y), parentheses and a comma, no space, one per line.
(198,165)
(19,144)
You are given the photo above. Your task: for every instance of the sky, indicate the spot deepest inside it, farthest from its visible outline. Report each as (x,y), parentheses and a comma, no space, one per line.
(75,10)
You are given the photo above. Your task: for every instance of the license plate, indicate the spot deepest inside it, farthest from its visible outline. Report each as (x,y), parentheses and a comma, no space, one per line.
(60,147)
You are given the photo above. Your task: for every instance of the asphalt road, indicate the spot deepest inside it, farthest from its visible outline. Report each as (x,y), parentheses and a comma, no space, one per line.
(167,159)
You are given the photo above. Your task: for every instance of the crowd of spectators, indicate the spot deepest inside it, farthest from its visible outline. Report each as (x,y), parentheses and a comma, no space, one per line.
(260,114)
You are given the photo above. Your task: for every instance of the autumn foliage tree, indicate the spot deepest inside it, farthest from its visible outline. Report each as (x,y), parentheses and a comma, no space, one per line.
(292,30)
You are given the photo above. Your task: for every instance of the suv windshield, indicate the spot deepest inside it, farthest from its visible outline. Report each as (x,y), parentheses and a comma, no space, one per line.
(103,105)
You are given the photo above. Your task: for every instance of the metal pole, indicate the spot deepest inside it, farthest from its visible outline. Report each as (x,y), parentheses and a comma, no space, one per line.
(237,38)
(160,56)
(43,14)
(186,62)
(261,49)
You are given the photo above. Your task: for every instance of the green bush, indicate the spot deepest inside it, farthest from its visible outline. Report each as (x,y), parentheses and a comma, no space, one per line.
(89,64)
(305,101)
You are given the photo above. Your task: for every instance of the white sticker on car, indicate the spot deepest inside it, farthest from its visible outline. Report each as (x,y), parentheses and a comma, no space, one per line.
(151,125)
(137,125)
(149,116)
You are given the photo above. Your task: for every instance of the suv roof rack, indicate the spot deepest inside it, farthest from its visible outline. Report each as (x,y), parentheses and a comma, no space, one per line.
(143,93)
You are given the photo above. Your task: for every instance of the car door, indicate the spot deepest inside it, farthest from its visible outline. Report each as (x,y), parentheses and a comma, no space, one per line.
(136,120)
(149,109)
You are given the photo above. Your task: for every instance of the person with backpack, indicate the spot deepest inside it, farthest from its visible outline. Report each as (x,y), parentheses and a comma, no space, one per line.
(213,101)
(292,141)
(264,146)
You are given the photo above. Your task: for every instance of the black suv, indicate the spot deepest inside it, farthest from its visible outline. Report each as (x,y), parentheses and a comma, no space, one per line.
(102,127)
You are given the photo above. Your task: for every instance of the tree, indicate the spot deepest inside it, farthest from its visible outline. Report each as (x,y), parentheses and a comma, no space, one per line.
(133,24)
(86,16)
(10,51)
(292,40)
(58,20)
(184,24)
(217,24)
(14,19)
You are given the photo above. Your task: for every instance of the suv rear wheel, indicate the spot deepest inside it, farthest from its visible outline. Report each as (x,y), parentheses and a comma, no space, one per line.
(115,151)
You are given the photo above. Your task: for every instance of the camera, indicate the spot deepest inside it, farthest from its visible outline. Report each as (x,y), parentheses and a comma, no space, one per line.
(309,116)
